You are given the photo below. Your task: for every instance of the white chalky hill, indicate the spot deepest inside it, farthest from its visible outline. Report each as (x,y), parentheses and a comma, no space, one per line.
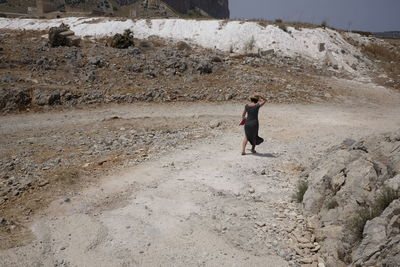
(236,36)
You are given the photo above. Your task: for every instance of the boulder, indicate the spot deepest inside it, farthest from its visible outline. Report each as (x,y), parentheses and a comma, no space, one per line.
(347,190)
(46,97)
(14,98)
(62,36)
(381,239)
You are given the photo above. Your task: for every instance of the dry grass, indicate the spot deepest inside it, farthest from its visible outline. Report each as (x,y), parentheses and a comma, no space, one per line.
(302,187)
(357,223)
(380,52)
(67,176)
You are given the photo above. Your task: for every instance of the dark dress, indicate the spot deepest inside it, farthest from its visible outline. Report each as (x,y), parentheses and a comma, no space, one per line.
(251,125)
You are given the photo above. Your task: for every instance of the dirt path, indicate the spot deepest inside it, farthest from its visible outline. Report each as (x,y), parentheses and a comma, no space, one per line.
(199,205)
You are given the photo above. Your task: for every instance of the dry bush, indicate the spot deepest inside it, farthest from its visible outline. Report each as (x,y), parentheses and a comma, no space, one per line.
(67,176)
(122,41)
(302,187)
(380,52)
(357,223)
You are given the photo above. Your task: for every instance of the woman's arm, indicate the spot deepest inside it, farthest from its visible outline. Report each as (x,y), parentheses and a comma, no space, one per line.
(244,114)
(263,100)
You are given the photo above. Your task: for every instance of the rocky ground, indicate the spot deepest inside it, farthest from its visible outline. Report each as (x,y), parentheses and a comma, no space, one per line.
(134,152)
(204,201)
(34,75)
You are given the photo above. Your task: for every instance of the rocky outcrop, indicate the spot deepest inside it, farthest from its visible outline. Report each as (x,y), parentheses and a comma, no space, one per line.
(351,202)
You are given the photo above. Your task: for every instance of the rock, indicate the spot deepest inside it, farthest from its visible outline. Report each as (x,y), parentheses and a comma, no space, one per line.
(393,183)
(62,36)
(183,46)
(46,97)
(97,61)
(321,47)
(378,233)
(14,98)
(133,51)
(215,124)
(251,190)
(204,67)
(263,172)
(306,260)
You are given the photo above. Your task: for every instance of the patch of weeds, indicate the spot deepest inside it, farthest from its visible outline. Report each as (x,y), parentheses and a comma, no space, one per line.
(249,46)
(332,204)
(278,21)
(379,52)
(324,24)
(283,27)
(357,223)
(302,187)
(144,44)
(67,176)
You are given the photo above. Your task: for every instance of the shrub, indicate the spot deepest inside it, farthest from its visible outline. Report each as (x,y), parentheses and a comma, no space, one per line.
(283,27)
(183,46)
(383,200)
(332,204)
(249,46)
(324,24)
(302,187)
(379,52)
(278,21)
(122,41)
(144,44)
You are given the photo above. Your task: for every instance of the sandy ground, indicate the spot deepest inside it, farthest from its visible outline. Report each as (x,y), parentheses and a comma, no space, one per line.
(202,204)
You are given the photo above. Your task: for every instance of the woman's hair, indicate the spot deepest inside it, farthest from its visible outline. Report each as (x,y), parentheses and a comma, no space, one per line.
(254,99)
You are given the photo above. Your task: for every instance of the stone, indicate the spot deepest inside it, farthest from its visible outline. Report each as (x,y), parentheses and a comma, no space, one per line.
(46,97)
(14,98)
(215,124)
(97,61)
(204,67)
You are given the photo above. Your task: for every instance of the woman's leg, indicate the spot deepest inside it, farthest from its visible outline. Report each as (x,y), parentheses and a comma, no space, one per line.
(244,146)
(253,149)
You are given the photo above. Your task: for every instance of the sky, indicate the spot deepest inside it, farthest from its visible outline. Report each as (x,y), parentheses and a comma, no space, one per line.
(364,15)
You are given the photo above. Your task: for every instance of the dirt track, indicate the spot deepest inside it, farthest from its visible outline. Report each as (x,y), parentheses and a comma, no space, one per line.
(201,204)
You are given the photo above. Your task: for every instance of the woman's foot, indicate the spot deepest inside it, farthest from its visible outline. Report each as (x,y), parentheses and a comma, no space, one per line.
(253,151)
(243,153)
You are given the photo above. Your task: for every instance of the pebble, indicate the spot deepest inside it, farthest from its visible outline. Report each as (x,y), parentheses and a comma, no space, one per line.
(251,190)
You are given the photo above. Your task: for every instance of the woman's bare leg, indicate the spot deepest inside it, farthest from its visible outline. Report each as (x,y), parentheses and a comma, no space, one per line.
(244,146)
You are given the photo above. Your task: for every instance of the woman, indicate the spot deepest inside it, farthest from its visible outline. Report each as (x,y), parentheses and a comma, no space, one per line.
(251,124)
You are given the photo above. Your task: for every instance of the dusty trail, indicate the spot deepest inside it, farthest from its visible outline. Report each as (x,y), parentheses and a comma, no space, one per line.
(202,204)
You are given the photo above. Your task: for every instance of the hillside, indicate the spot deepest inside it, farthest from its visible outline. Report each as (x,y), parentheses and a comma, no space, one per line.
(125,8)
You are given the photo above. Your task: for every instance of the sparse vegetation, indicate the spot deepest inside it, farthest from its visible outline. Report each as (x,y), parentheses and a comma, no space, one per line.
(144,44)
(67,176)
(332,204)
(183,46)
(122,41)
(283,27)
(357,223)
(302,187)
(324,24)
(249,46)
(379,51)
